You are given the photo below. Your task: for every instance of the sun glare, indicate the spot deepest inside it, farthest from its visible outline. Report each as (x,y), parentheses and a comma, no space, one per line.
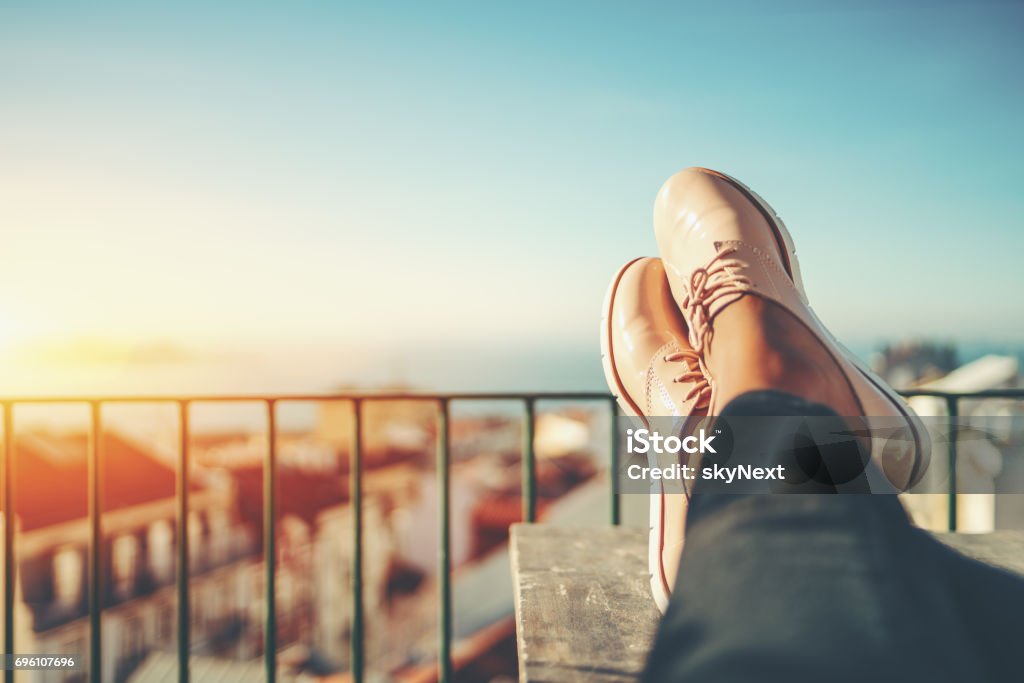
(8,333)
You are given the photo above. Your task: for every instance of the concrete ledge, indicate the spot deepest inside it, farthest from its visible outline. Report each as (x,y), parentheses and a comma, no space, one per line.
(584,610)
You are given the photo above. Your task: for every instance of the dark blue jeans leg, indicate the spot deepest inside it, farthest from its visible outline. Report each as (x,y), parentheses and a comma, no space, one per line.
(820,587)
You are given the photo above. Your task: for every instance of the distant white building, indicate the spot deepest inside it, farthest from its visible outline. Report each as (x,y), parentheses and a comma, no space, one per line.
(979,461)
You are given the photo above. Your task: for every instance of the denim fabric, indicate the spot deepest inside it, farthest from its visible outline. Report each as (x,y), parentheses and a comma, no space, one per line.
(825,587)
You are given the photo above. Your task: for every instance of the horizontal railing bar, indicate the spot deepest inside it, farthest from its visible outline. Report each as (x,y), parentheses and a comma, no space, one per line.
(364,396)
(985,393)
(423,396)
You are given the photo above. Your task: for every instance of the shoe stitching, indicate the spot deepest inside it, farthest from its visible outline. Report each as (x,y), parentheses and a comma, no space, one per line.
(666,398)
(769,261)
(700,392)
(652,377)
(647,389)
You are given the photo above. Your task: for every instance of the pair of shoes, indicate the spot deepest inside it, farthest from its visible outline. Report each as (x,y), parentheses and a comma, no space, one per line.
(719,241)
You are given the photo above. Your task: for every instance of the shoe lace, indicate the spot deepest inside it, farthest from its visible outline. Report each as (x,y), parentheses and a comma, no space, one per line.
(707,285)
(700,392)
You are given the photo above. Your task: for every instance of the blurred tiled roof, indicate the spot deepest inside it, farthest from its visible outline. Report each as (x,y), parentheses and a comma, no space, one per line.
(51,477)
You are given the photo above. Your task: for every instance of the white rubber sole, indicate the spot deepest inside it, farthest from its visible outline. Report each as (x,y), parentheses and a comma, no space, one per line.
(655,541)
(611,376)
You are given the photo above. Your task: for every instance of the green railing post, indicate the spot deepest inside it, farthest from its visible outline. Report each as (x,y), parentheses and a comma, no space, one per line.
(953,409)
(184,619)
(613,462)
(10,566)
(269,547)
(356,496)
(444,655)
(529,462)
(95,475)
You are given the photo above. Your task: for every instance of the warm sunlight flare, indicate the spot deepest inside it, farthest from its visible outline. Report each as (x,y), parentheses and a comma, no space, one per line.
(10,333)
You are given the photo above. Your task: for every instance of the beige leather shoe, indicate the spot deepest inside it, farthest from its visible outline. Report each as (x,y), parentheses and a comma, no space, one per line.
(651,369)
(719,241)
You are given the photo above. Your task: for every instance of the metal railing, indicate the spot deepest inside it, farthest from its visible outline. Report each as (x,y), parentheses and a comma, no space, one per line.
(952,400)
(442,402)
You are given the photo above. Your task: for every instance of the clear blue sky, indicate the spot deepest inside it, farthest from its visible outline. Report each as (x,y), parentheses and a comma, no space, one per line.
(405,176)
